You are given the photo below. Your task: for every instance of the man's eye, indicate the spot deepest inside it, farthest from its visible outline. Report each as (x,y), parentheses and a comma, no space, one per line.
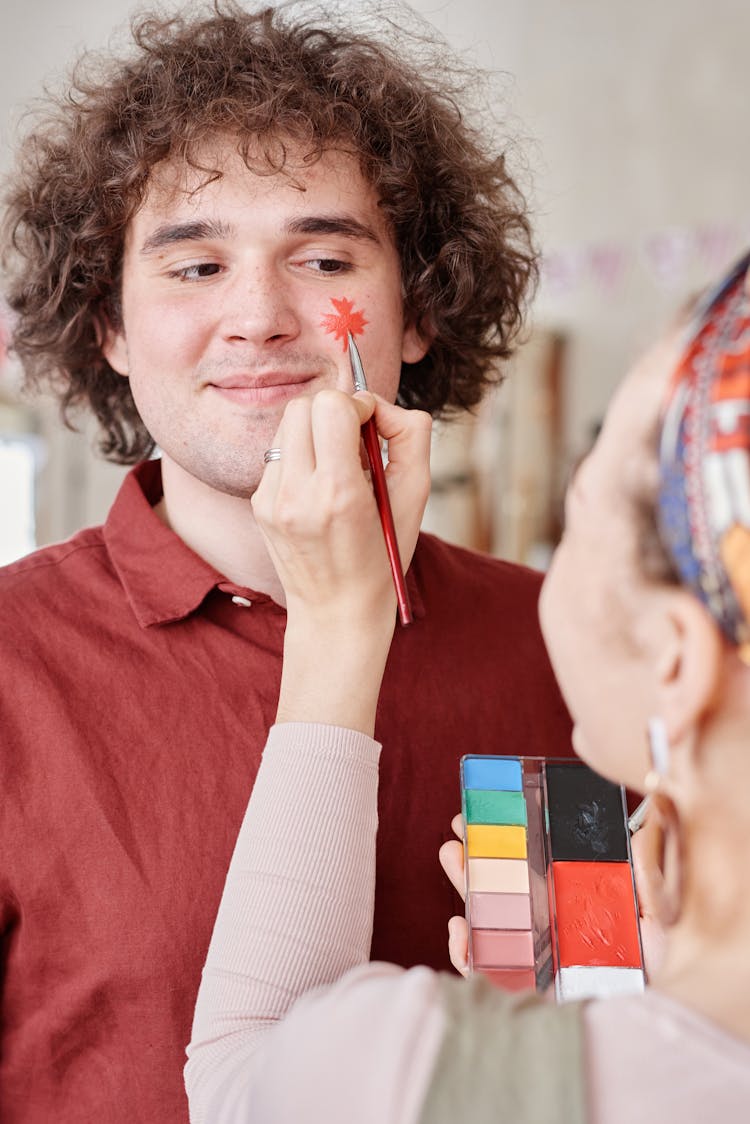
(329,265)
(196,272)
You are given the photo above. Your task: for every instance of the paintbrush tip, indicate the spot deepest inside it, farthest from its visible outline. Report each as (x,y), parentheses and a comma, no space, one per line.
(358,371)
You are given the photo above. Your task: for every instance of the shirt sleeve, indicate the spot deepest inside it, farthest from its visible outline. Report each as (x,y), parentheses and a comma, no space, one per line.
(361,1050)
(297,908)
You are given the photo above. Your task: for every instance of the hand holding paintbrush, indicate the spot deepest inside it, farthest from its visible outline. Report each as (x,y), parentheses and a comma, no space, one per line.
(323,527)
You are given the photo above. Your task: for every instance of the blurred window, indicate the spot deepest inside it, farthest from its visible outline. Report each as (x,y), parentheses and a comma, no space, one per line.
(17,473)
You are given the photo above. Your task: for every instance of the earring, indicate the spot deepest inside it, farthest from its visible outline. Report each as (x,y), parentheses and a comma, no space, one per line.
(662,844)
(663,857)
(658,744)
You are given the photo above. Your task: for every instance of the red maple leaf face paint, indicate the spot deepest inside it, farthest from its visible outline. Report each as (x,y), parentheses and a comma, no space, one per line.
(344,319)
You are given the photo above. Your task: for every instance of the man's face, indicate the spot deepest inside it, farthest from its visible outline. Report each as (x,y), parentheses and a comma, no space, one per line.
(236,297)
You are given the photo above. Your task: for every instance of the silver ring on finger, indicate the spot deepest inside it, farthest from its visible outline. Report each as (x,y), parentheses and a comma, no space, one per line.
(271,455)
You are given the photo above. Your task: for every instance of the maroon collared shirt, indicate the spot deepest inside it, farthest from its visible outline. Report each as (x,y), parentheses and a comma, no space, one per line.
(137,688)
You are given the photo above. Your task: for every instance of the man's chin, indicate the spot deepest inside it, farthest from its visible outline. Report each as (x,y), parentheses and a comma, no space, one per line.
(237,477)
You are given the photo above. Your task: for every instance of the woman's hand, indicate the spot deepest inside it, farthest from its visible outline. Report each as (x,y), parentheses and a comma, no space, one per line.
(317,512)
(452,861)
(644,845)
(316,508)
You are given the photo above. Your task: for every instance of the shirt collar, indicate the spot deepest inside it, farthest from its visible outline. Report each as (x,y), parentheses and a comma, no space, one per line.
(164,580)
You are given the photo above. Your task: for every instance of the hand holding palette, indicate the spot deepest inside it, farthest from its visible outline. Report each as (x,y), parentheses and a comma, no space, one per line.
(550,894)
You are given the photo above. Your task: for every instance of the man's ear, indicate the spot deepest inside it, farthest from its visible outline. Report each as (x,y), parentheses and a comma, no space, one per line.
(416,343)
(689,661)
(112,344)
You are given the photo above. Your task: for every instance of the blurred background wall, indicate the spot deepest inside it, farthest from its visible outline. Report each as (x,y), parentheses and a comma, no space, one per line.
(630,123)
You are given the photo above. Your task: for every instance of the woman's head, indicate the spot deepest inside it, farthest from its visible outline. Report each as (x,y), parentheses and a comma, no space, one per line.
(630,609)
(704,459)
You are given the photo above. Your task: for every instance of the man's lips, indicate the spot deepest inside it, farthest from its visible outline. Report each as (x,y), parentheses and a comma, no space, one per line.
(264,388)
(260,381)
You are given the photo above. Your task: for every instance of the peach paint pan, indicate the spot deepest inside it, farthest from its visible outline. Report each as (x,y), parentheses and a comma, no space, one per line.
(550,893)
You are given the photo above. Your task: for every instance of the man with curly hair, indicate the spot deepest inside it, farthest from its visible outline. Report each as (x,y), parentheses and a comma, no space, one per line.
(190,232)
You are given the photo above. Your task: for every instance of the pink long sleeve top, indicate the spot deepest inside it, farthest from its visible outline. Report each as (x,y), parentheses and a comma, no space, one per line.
(294,1024)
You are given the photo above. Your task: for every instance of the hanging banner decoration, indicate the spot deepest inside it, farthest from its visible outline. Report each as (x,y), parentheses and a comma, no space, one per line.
(562,270)
(668,256)
(607,265)
(717,246)
(674,259)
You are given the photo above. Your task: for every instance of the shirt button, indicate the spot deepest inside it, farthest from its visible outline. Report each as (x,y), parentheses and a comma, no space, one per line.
(243,601)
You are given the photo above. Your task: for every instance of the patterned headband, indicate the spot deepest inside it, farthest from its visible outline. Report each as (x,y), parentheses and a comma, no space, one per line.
(704,457)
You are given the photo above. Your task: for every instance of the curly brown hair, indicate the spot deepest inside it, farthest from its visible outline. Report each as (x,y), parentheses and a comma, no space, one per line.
(458,217)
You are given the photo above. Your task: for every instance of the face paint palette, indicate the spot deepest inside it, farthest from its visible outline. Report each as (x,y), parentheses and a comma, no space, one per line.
(550,894)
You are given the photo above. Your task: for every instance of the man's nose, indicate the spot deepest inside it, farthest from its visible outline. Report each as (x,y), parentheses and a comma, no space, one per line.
(259,308)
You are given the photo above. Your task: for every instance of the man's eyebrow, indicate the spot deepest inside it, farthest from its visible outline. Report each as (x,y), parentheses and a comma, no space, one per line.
(332,224)
(198,231)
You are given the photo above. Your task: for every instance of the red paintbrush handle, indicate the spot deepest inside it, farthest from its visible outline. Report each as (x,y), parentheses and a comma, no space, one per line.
(372,448)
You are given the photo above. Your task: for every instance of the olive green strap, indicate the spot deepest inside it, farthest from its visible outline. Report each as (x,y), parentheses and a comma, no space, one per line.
(506,1057)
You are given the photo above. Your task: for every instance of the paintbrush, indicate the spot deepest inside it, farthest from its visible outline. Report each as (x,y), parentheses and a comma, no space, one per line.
(377,473)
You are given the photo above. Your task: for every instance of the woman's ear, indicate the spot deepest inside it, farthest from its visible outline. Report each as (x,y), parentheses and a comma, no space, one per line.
(688,664)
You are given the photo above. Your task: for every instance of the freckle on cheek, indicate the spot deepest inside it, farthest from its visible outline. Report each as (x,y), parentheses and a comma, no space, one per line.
(345,319)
